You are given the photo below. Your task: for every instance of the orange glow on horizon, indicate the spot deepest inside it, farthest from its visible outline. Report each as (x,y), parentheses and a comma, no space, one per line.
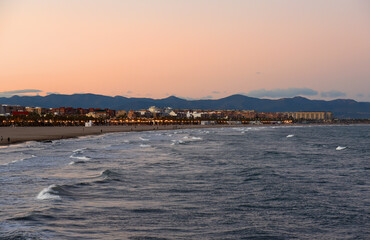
(184,48)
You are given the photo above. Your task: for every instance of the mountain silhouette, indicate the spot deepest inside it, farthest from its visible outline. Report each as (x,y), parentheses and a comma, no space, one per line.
(341,108)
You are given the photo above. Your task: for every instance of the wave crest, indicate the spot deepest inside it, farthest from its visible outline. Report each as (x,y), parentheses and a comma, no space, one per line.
(50,193)
(111,175)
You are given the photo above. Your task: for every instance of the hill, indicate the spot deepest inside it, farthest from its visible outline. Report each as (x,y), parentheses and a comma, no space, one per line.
(341,108)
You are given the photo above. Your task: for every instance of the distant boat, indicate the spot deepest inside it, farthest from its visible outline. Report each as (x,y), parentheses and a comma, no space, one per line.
(340,148)
(290,135)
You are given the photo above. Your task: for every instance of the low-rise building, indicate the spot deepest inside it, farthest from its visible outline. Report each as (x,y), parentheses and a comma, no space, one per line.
(121,113)
(38,110)
(132,114)
(97,114)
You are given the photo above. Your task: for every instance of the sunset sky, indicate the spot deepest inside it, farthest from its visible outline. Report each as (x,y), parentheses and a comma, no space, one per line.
(188,48)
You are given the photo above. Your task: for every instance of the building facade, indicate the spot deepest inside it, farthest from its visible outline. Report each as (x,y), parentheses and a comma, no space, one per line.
(310,115)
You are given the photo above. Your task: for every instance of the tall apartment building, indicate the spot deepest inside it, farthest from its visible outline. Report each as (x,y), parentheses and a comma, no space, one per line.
(310,115)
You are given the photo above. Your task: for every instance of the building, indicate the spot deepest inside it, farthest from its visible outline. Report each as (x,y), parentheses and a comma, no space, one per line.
(270,115)
(132,114)
(310,115)
(146,114)
(97,114)
(7,110)
(207,122)
(89,123)
(20,113)
(121,113)
(38,110)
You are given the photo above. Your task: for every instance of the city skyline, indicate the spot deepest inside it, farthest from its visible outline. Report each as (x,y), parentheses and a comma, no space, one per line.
(189,49)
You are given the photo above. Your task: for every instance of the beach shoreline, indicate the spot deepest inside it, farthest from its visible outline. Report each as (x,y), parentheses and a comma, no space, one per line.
(15,135)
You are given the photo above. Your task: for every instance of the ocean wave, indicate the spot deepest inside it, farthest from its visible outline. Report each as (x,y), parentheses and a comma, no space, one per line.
(77,154)
(175,142)
(79,150)
(18,160)
(17,232)
(58,192)
(111,175)
(145,145)
(143,139)
(14,161)
(52,192)
(80,157)
(76,162)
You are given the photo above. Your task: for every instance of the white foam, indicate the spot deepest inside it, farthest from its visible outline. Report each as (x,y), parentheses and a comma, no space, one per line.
(174,142)
(144,139)
(197,138)
(48,193)
(290,135)
(79,150)
(80,158)
(145,145)
(340,148)
(18,160)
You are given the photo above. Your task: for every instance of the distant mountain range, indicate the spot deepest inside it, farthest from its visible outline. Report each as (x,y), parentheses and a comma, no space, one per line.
(341,108)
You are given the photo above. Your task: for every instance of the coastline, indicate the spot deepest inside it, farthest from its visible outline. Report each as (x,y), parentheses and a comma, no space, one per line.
(15,135)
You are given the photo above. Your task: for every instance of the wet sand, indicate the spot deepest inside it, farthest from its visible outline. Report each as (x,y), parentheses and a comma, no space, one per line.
(12,135)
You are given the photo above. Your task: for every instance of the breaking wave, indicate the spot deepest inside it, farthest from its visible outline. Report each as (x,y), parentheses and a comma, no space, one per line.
(145,145)
(79,150)
(80,157)
(53,192)
(76,162)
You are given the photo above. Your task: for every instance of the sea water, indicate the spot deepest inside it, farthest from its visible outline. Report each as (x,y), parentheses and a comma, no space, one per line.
(299,182)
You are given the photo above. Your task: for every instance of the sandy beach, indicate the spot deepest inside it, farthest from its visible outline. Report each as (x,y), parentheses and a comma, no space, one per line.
(12,135)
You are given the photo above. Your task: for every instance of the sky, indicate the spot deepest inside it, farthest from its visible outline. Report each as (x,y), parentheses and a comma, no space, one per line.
(194,49)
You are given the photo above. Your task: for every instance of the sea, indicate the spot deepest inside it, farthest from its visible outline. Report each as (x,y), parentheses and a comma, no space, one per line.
(266,182)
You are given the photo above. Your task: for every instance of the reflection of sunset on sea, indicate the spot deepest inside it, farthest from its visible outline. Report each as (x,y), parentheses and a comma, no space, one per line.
(189,49)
